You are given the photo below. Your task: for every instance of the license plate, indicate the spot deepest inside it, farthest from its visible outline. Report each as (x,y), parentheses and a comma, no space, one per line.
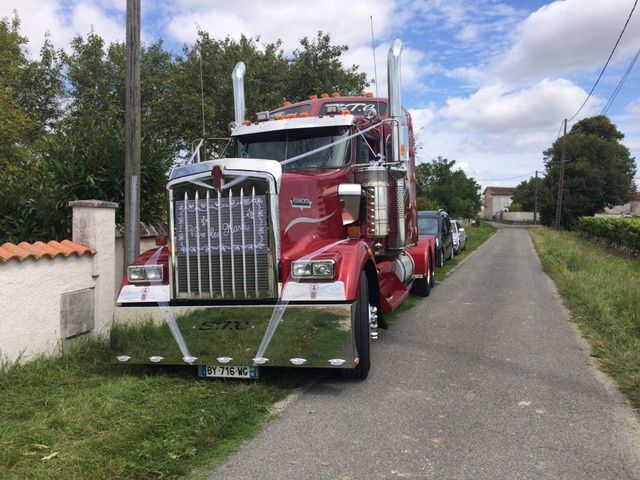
(227,371)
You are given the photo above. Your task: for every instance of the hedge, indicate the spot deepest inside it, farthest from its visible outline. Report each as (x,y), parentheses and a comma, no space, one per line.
(623,233)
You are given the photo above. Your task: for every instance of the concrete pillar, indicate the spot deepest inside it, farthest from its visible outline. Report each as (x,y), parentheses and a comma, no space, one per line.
(94,224)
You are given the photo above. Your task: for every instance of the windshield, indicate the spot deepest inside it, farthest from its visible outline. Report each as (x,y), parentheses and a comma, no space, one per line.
(283,145)
(427,225)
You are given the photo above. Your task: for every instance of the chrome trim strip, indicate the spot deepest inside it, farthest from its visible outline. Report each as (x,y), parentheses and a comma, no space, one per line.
(173,267)
(220,243)
(233,267)
(209,244)
(197,199)
(186,226)
(255,250)
(244,259)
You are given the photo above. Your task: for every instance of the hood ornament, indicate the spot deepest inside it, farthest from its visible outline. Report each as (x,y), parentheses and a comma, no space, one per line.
(217,173)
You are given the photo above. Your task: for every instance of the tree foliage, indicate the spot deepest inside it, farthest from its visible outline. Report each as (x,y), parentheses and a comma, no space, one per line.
(599,171)
(62,138)
(438,185)
(525,194)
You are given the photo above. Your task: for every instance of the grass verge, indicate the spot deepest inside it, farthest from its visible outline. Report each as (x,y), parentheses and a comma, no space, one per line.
(78,417)
(476,236)
(602,290)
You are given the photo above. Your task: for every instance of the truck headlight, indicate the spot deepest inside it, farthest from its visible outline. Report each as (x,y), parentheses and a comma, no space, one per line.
(313,269)
(144,273)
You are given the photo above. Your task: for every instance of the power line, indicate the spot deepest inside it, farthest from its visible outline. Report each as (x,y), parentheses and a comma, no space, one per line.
(620,83)
(500,179)
(608,60)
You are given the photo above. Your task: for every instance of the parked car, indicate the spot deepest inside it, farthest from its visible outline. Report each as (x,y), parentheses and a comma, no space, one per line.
(438,224)
(459,237)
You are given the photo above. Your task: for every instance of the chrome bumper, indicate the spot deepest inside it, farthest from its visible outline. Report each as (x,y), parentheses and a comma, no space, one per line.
(263,335)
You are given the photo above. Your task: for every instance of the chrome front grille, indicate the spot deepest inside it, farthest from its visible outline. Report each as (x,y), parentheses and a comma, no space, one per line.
(222,242)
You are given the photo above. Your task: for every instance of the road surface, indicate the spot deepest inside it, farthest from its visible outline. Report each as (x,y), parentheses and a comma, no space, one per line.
(484,379)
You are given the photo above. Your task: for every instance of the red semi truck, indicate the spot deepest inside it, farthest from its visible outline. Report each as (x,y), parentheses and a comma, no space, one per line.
(290,252)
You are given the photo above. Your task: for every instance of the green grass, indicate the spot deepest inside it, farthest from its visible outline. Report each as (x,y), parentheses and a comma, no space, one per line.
(602,290)
(78,417)
(476,236)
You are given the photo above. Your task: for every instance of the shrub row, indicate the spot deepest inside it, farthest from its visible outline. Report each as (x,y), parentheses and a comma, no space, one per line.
(619,232)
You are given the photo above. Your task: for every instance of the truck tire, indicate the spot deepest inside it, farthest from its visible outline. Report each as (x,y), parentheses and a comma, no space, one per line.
(422,286)
(361,332)
(432,272)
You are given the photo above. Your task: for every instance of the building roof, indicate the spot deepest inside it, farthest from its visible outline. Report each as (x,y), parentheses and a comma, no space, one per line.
(38,250)
(499,190)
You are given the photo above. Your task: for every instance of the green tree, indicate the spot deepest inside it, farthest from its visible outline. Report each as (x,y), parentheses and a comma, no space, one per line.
(438,185)
(599,171)
(315,67)
(525,194)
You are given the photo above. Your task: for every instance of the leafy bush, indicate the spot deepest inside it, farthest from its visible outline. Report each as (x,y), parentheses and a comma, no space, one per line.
(619,232)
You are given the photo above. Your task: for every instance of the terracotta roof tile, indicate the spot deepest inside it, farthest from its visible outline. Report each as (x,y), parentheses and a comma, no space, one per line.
(37,250)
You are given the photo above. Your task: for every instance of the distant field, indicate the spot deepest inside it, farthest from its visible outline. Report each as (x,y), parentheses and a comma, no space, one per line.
(602,290)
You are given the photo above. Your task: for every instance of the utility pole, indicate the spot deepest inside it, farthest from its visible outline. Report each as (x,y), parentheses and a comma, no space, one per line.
(132,136)
(561,179)
(535,201)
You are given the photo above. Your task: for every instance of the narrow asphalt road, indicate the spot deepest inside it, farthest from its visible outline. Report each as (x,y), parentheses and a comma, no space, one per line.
(484,379)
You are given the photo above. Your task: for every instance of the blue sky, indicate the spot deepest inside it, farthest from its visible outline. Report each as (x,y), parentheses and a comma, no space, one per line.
(488,82)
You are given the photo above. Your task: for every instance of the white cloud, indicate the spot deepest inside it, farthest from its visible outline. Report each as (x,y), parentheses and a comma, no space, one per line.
(569,35)
(494,109)
(63,20)
(633,107)
(347,22)
(468,33)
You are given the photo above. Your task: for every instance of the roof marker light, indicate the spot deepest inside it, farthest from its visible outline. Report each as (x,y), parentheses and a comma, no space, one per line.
(280,117)
(286,103)
(246,122)
(313,97)
(324,95)
(292,115)
(335,94)
(303,114)
(368,94)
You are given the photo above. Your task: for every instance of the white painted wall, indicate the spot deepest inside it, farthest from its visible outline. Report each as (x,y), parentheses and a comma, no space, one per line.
(30,296)
(518,216)
(31,290)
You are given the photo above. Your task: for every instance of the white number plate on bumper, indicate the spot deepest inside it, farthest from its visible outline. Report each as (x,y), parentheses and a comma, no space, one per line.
(227,371)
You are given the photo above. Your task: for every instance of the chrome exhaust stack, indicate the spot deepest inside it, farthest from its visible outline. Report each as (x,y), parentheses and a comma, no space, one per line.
(395,105)
(238,91)
(399,142)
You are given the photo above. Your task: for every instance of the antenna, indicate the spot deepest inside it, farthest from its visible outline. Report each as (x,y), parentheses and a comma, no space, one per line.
(202,93)
(373,48)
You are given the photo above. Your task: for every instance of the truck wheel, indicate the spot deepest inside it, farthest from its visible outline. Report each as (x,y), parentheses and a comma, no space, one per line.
(422,286)
(432,272)
(361,332)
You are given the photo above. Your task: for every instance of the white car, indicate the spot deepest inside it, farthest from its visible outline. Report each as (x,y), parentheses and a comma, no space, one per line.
(459,237)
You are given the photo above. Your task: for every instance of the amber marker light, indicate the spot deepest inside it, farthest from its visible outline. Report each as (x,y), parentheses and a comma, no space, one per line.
(368,94)
(280,117)
(161,240)
(292,115)
(324,95)
(246,122)
(335,94)
(353,231)
(304,114)
(313,97)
